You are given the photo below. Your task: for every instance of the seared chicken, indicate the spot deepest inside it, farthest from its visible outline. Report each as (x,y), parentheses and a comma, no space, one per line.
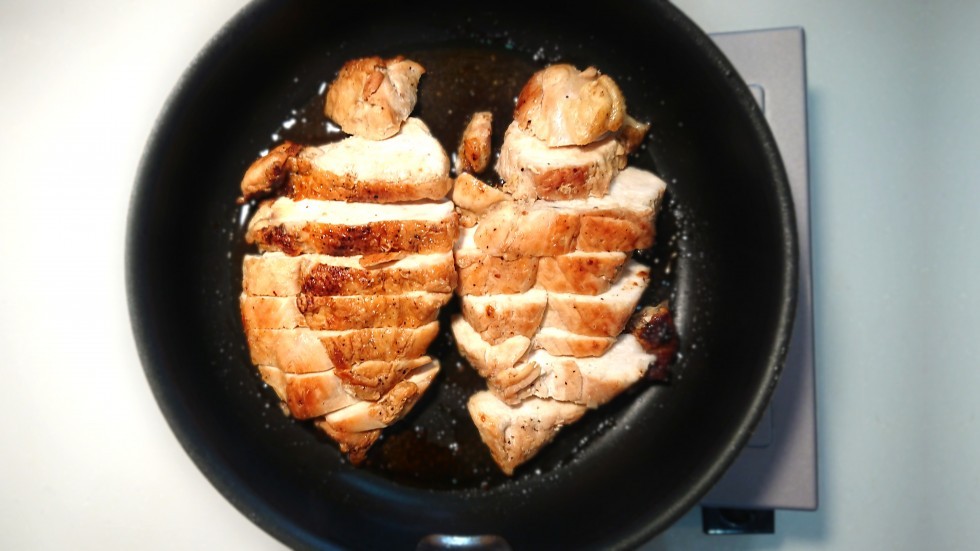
(498,317)
(303,350)
(603,315)
(562,106)
(309,395)
(533,170)
(411,309)
(278,274)
(371,97)
(473,154)
(515,434)
(340,228)
(473,197)
(622,220)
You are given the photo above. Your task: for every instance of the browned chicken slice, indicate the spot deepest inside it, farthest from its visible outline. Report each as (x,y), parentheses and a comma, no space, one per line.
(533,170)
(632,133)
(498,317)
(349,426)
(561,342)
(309,395)
(491,359)
(303,350)
(271,170)
(343,229)
(371,97)
(412,309)
(473,154)
(653,327)
(482,274)
(590,382)
(622,220)
(473,197)
(277,274)
(416,167)
(582,273)
(564,106)
(487,359)
(603,315)
(515,434)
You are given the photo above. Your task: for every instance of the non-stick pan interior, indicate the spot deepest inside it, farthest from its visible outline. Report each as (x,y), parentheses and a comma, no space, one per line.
(725,258)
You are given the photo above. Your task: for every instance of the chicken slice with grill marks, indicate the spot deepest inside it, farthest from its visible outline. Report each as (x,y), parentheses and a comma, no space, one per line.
(371,97)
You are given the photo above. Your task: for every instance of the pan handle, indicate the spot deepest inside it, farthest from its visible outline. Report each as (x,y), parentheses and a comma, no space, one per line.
(448,542)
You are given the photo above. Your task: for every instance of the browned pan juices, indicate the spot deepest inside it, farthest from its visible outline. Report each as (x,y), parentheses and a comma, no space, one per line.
(437,446)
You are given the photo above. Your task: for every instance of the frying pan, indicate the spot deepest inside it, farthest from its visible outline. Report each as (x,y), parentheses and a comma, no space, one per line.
(725,257)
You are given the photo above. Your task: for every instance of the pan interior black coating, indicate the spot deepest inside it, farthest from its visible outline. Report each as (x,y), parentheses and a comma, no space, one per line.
(726,257)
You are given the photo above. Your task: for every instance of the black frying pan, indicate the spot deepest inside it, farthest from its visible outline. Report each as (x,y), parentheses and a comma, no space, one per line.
(725,257)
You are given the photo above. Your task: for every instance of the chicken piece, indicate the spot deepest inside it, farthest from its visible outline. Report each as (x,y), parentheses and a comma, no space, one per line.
(583,273)
(303,350)
(589,382)
(632,133)
(394,406)
(564,106)
(623,220)
(415,167)
(412,309)
(473,197)
(277,274)
(515,434)
(533,170)
(603,315)
(473,154)
(268,172)
(653,327)
(487,359)
(483,274)
(371,97)
(561,342)
(310,395)
(499,317)
(344,229)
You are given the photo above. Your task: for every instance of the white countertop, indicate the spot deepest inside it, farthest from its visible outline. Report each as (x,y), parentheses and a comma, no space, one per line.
(89,462)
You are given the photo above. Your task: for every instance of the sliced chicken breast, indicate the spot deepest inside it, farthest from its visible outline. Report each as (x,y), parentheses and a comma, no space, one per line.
(564,106)
(416,167)
(515,434)
(483,274)
(561,342)
(303,350)
(583,273)
(603,315)
(473,197)
(623,220)
(280,275)
(412,309)
(473,154)
(589,382)
(388,410)
(498,317)
(344,229)
(531,169)
(371,97)
(309,395)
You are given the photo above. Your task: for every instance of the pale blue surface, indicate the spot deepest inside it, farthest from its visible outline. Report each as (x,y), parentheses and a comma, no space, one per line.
(894,159)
